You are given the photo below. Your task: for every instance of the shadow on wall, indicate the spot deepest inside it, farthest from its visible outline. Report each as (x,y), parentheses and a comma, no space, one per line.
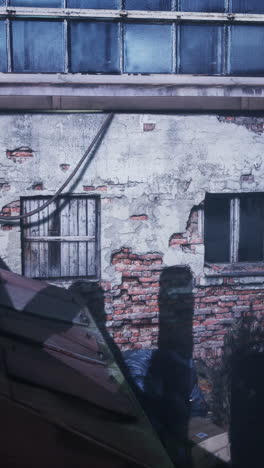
(169,378)
(3,265)
(247,410)
(244,366)
(162,378)
(92,296)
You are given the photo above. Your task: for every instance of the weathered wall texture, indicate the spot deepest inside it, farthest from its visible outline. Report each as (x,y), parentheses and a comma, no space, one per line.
(152,173)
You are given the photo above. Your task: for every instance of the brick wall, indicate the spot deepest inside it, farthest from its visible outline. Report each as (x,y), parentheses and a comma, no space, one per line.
(216,310)
(133,307)
(254,124)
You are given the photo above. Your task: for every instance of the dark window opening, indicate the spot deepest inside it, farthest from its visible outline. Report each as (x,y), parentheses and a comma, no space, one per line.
(251,228)
(234,228)
(217,228)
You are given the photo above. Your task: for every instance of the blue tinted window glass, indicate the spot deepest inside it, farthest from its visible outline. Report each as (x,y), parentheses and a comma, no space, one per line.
(154,5)
(3,54)
(94,47)
(37,46)
(203,5)
(247,50)
(200,49)
(248,6)
(37,3)
(148,48)
(107,4)
(2,2)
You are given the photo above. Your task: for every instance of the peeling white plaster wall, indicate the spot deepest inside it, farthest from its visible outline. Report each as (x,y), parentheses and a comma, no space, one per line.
(161,173)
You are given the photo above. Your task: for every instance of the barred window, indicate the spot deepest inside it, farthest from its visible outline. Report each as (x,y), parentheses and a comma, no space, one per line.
(62,241)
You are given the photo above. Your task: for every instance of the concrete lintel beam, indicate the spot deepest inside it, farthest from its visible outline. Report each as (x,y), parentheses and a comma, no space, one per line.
(115,103)
(155,92)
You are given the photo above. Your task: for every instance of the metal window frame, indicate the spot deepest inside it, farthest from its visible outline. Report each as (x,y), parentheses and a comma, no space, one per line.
(96,238)
(145,15)
(234,229)
(174,18)
(234,223)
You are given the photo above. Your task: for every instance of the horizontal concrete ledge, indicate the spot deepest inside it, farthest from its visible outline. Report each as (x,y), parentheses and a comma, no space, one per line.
(181,103)
(125,79)
(153,92)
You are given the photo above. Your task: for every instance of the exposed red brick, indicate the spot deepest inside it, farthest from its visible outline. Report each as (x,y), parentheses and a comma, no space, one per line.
(37,186)
(21,152)
(106,285)
(211,299)
(258,307)
(121,340)
(136,304)
(247,178)
(133,339)
(195,240)
(226,304)
(119,311)
(11,209)
(65,167)
(7,227)
(4,187)
(15,209)
(178,239)
(140,217)
(88,188)
(102,188)
(149,127)
(210,322)
(147,279)
(151,256)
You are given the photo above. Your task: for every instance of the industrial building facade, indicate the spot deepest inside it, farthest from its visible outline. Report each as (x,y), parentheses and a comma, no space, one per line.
(168,215)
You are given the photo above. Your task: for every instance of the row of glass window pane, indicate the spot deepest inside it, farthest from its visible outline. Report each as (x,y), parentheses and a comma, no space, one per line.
(237,6)
(95,47)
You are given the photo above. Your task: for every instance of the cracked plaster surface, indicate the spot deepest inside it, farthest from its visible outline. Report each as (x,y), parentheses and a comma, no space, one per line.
(162,173)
